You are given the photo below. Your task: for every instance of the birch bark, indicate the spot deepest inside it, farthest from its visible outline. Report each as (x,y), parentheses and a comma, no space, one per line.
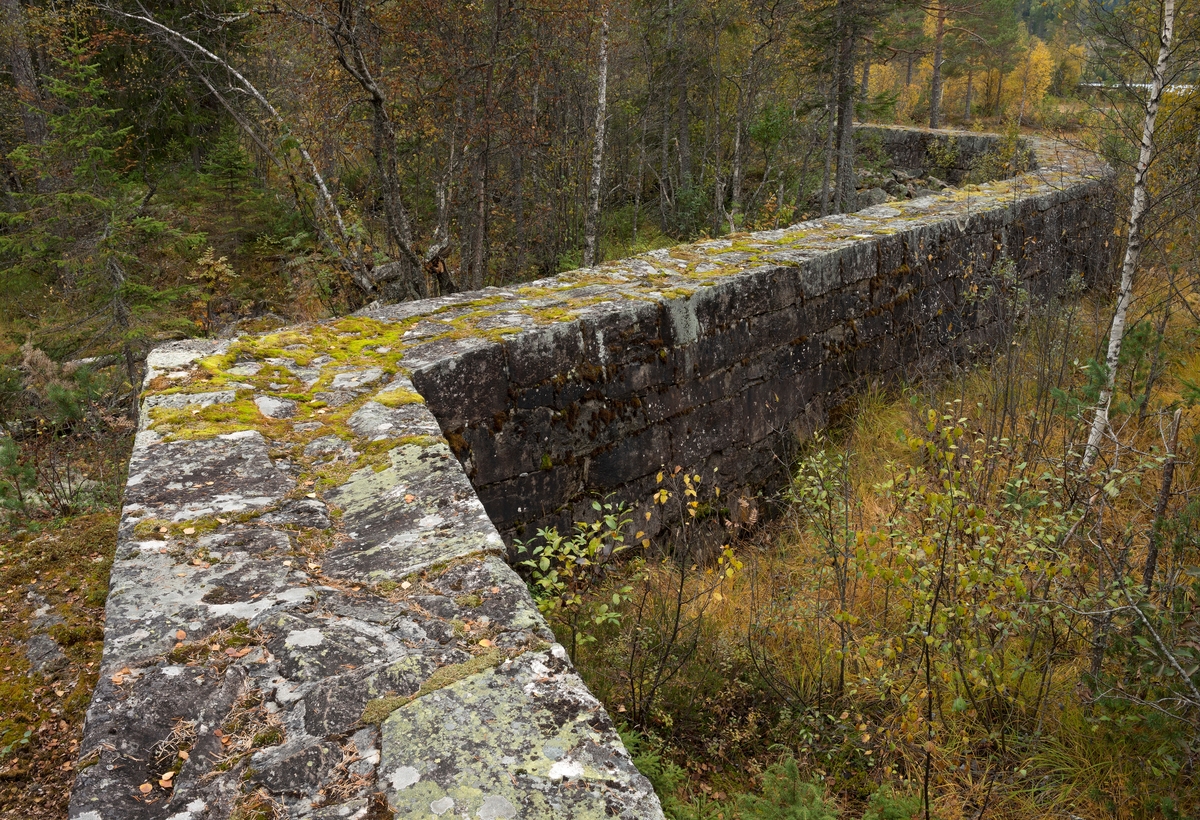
(593,214)
(1133,246)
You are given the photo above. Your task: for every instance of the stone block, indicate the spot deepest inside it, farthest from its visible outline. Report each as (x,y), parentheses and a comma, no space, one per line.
(466,388)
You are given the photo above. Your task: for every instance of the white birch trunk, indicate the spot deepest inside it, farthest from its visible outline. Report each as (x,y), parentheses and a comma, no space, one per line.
(593,213)
(1133,247)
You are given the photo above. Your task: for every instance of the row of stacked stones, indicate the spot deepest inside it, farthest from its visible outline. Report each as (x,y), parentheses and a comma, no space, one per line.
(310,615)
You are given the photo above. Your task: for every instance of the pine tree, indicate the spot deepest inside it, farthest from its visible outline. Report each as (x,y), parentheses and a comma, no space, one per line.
(79,230)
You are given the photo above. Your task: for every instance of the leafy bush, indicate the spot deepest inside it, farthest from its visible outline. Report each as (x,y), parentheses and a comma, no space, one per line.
(564,570)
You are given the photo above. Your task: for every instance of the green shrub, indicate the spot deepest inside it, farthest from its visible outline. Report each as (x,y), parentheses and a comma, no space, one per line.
(664,774)
(564,569)
(887,805)
(786,796)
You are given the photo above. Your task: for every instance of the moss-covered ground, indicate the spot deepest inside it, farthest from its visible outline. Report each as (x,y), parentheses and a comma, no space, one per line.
(66,564)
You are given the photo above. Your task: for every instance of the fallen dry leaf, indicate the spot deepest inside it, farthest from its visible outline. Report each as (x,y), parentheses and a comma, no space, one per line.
(409,498)
(180,634)
(145,788)
(189,530)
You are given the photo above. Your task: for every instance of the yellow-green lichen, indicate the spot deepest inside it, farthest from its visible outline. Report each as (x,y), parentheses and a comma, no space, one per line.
(379,709)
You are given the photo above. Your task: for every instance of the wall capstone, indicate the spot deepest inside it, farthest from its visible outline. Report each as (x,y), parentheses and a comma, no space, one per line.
(309,610)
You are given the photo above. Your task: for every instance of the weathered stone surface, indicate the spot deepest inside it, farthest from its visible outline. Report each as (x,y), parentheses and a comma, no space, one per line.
(871,197)
(44,654)
(416,512)
(274,408)
(292,571)
(178,481)
(356,379)
(523,740)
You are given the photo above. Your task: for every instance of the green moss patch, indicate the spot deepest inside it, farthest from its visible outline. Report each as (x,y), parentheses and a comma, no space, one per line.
(378,710)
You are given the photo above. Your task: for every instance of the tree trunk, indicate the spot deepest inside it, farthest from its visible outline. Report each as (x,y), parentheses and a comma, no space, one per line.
(844,187)
(479,238)
(641,170)
(967,105)
(479,244)
(865,91)
(20,58)
(593,214)
(735,204)
(666,189)
(685,129)
(1133,245)
(935,85)
(683,108)
(1160,509)
(830,140)
(408,268)
(1024,87)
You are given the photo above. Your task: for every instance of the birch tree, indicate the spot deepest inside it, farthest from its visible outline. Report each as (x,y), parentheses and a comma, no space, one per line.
(593,212)
(1133,245)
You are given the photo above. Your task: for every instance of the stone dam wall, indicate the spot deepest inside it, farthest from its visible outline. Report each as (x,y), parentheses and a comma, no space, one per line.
(309,611)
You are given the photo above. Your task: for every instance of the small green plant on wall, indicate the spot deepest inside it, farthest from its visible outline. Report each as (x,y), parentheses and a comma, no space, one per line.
(565,569)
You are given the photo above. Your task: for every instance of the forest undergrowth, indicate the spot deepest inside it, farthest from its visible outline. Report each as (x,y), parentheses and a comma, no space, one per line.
(946,614)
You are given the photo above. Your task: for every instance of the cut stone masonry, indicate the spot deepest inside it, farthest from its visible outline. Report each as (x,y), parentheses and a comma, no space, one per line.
(310,613)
